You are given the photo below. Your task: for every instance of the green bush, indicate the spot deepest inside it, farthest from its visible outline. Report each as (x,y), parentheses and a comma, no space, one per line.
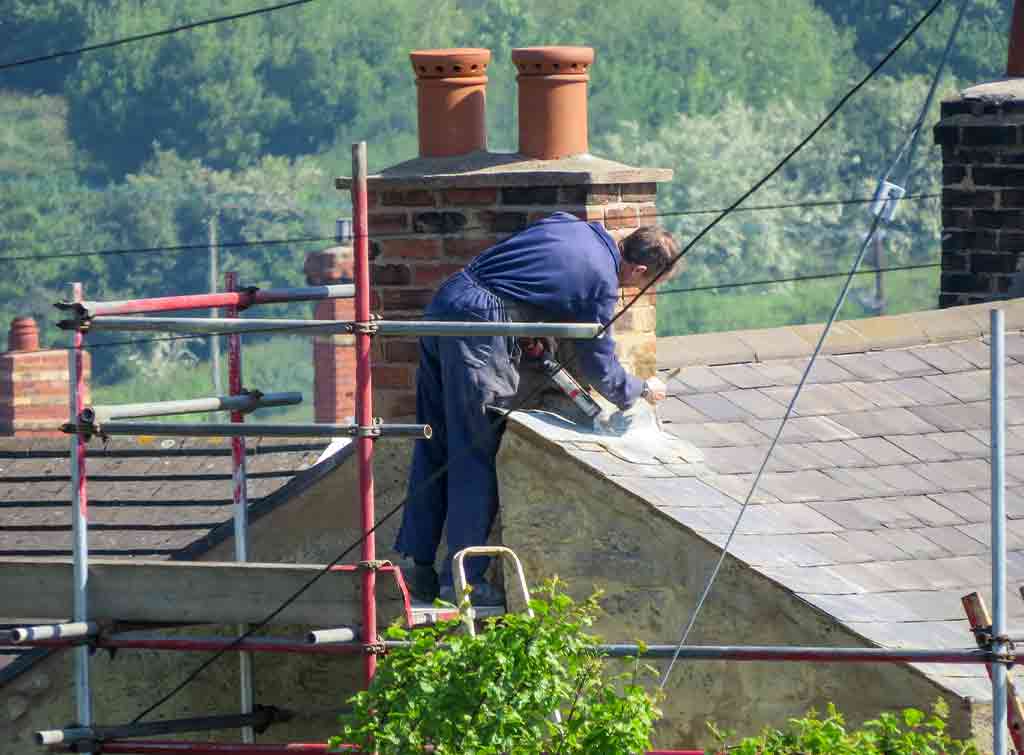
(910,732)
(498,692)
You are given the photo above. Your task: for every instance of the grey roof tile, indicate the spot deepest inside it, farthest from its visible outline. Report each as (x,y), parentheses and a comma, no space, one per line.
(972,385)
(792,457)
(839,453)
(805,429)
(825,370)
(801,486)
(674,410)
(955,475)
(961,443)
(822,398)
(758,550)
(866,366)
(951,417)
(974,351)
(881,394)
(880,451)
(820,580)
(964,504)
(859,514)
(927,511)
(871,542)
(917,634)
(942,358)
(735,459)
(743,376)
(699,380)
(1013,499)
(835,548)
(736,433)
(859,482)
(737,486)
(953,540)
(922,447)
(1015,345)
(677,492)
(983,533)
(779,372)
(905,362)
(903,479)
(784,519)
(865,607)
(756,403)
(884,422)
(921,391)
(716,408)
(613,466)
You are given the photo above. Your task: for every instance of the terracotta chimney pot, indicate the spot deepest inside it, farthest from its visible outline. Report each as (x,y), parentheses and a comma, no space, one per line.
(553,100)
(451,87)
(24,335)
(1015,55)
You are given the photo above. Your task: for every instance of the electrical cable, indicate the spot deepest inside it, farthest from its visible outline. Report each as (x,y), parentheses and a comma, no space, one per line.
(661,273)
(817,350)
(151,35)
(304,239)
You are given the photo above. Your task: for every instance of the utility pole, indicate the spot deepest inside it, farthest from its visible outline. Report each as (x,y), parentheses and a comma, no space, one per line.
(214,340)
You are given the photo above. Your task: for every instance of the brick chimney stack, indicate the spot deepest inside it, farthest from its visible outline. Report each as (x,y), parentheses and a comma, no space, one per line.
(431,215)
(982,137)
(334,360)
(34,392)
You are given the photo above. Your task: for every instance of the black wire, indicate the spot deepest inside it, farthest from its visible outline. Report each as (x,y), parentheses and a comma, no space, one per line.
(299,240)
(150,35)
(795,279)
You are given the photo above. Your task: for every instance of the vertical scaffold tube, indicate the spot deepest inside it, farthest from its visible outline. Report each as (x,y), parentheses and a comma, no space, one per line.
(999,713)
(364,398)
(241,500)
(80,519)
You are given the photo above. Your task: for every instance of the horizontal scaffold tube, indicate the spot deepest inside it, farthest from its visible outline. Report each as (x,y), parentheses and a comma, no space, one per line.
(253,429)
(72,630)
(240,299)
(291,748)
(245,402)
(259,719)
(148,641)
(223,325)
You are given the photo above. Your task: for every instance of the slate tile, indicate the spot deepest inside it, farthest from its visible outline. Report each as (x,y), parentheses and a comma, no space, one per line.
(983,533)
(675,411)
(1013,499)
(805,429)
(916,634)
(942,358)
(902,479)
(855,515)
(905,362)
(794,487)
(1014,380)
(700,520)
(1015,346)
(700,380)
(914,575)
(784,519)
(881,394)
(742,376)
(927,511)
(819,580)
(872,543)
(965,505)
(972,385)
(920,391)
(611,465)
(961,443)
(735,459)
(974,351)
(834,548)
(678,492)
(867,607)
(697,433)
(866,366)
(884,422)
(922,447)
(756,403)
(839,453)
(858,483)
(880,451)
(737,487)
(735,433)
(952,417)
(822,398)
(825,370)
(758,550)
(715,407)
(955,475)
(792,457)
(953,540)
(778,372)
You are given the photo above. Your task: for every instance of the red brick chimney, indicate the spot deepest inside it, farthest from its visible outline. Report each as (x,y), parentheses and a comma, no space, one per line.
(334,361)
(429,216)
(34,393)
(982,139)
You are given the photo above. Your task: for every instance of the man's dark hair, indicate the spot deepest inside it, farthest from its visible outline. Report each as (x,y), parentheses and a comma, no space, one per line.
(650,245)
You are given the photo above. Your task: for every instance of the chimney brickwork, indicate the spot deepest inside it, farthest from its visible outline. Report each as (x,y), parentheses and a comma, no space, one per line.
(334,356)
(34,392)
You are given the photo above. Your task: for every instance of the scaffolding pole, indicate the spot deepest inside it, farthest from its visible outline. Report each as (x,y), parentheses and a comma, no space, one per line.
(230,430)
(80,521)
(240,298)
(999,641)
(240,495)
(72,630)
(151,641)
(242,402)
(200,326)
(364,402)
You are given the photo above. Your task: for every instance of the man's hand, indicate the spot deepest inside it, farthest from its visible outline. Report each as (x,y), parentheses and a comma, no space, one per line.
(654,390)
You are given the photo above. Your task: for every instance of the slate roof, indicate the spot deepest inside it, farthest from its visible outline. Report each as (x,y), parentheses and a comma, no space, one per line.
(148,497)
(875,505)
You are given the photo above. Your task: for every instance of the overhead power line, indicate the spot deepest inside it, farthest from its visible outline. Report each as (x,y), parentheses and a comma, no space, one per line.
(151,35)
(570,362)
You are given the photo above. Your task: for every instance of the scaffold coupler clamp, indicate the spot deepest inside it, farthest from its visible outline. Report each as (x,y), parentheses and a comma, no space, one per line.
(368,328)
(886,200)
(370,431)
(247,290)
(375,565)
(82,322)
(375,648)
(255,393)
(85,426)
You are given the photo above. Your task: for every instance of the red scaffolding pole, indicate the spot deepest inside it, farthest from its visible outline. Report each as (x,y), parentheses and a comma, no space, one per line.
(364,403)
(220,299)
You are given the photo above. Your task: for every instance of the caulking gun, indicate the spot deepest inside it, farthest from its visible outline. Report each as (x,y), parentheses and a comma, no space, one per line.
(539,351)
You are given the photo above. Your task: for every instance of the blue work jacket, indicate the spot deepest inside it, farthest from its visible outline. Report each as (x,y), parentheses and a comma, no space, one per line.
(569,269)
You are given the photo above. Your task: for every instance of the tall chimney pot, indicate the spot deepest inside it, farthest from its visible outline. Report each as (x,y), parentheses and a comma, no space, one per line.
(553,100)
(24,335)
(451,88)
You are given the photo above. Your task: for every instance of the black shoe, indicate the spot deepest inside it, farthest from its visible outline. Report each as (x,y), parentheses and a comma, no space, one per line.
(422,582)
(481,595)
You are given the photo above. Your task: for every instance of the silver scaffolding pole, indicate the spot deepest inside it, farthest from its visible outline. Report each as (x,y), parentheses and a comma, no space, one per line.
(998,395)
(231,430)
(245,402)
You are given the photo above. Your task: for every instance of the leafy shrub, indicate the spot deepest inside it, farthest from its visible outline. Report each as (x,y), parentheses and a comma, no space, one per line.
(911,732)
(498,692)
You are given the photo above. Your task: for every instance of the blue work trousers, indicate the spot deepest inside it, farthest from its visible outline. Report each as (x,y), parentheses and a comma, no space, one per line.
(453,473)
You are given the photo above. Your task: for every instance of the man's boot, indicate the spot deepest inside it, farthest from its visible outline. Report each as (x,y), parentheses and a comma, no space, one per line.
(422,582)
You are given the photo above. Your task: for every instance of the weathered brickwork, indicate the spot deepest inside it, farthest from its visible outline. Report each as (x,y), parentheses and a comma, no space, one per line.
(334,360)
(982,198)
(422,236)
(34,392)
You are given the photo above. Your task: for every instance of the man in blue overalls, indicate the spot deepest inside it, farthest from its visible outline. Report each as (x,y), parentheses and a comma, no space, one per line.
(559,269)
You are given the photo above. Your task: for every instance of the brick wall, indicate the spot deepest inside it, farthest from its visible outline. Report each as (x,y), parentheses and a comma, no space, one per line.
(34,391)
(334,362)
(982,141)
(420,236)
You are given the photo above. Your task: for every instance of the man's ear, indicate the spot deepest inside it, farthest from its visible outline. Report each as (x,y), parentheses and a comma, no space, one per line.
(639,270)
